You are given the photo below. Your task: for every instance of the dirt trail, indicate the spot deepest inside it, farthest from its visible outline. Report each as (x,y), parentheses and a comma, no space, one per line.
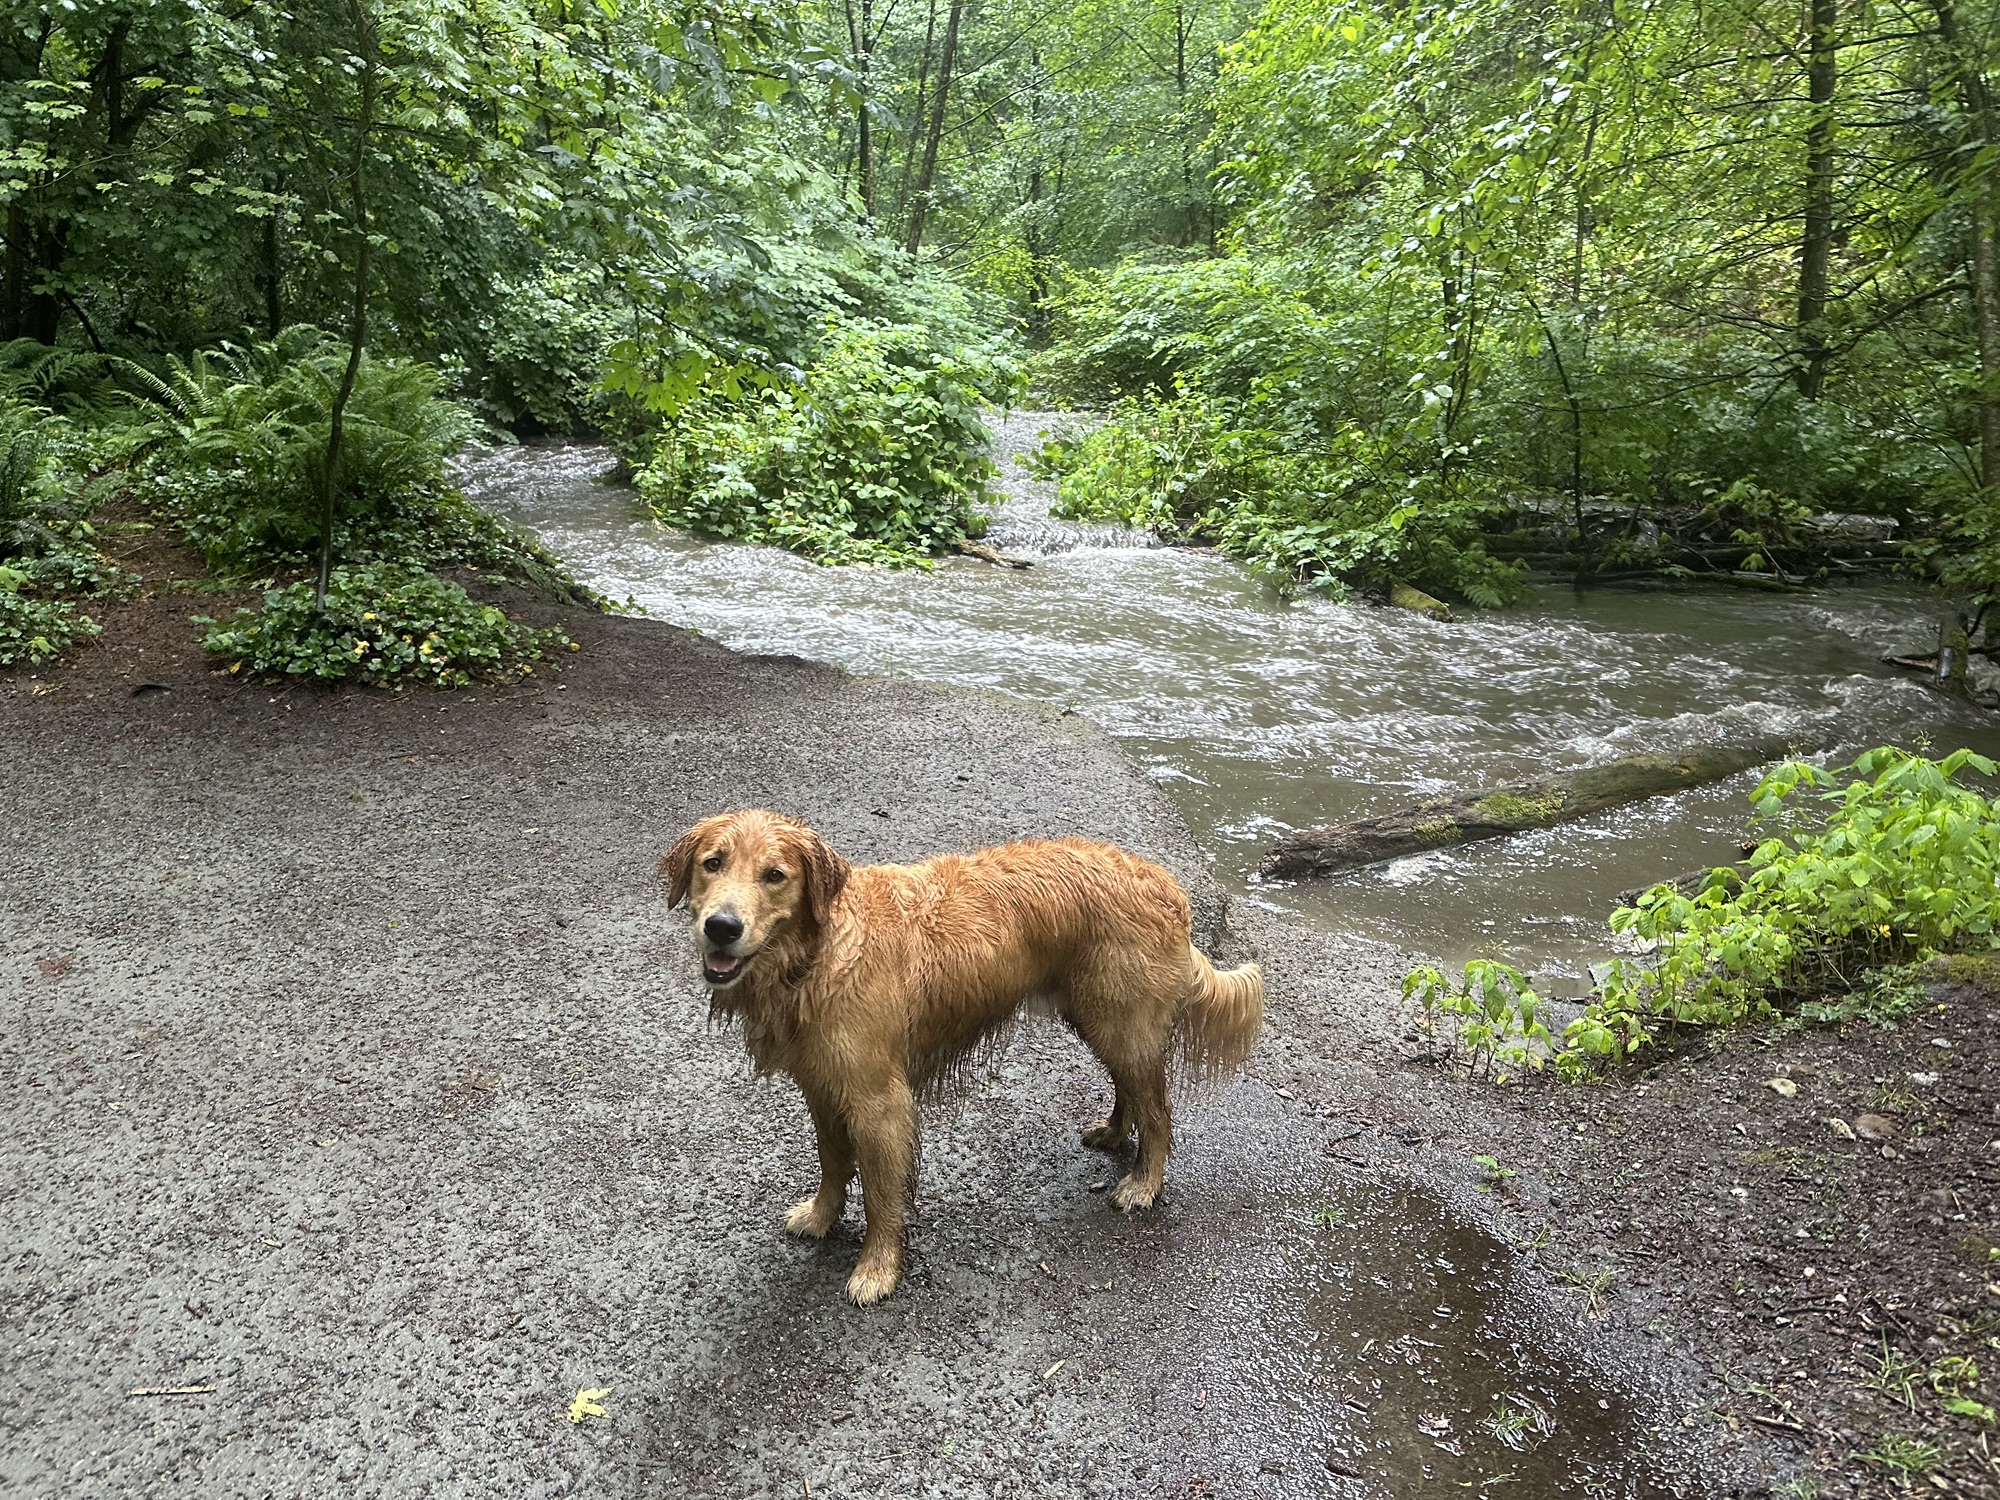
(355,1076)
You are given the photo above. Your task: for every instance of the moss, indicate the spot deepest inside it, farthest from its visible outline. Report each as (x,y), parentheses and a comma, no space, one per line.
(1981,969)
(1439,832)
(1511,811)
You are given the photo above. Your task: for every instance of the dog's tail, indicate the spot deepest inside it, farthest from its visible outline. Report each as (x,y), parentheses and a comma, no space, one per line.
(1221,1016)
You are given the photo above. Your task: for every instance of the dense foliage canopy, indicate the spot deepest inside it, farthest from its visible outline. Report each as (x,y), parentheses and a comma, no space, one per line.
(1370,290)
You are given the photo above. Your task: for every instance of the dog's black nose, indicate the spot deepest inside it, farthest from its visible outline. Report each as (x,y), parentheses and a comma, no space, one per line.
(723,928)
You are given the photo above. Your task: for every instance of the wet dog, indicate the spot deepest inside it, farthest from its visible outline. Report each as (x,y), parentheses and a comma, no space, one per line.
(870,986)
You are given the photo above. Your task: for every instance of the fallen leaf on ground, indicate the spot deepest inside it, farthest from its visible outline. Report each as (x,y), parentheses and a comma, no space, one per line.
(588,1404)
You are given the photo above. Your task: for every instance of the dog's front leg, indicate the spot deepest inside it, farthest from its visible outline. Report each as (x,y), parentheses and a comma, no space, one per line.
(884,1130)
(814,1216)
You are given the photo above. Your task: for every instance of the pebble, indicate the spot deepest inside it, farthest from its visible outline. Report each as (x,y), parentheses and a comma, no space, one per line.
(1781,1086)
(1841,1128)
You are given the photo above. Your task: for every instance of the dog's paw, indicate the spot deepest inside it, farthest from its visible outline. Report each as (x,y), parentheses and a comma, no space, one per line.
(1131,1194)
(808,1221)
(1102,1135)
(870,1284)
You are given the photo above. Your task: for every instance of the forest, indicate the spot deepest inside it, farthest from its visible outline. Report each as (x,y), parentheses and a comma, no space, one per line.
(1362,293)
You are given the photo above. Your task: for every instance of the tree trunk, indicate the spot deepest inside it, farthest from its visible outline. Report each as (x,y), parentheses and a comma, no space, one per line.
(1181,27)
(1541,803)
(1816,249)
(1985,255)
(1954,655)
(917,115)
(273,269)
(861,37)
(920,202)
(1986,307)
(364,33)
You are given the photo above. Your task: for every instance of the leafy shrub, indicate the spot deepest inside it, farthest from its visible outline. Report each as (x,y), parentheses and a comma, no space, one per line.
(876,455)
(1225,323)
(36,630)
(1493,1017)
(1328,511)
(24,476)
(382,624)
(1905,867)
(46,541)
(542,354)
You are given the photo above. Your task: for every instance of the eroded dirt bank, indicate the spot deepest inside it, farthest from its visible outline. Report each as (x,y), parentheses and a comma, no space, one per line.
(355,1075)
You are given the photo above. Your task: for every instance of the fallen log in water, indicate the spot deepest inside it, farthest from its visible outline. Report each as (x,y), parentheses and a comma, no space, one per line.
(993,555)
(1541,803)
(1408,596)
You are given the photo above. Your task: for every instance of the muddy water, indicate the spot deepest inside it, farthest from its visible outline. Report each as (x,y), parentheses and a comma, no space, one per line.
(1261,714)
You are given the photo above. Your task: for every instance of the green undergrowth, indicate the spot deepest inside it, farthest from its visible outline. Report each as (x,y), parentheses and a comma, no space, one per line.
(875,454)
(1332,512)
(240,465)
(382,624)
(1862,871)
(34,630)
(50,562)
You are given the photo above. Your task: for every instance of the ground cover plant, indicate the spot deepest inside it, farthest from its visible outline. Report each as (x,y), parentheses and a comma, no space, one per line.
(1883,863)
(380,624)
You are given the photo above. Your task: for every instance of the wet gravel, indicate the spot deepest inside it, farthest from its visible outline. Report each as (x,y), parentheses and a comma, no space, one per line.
(358,1086)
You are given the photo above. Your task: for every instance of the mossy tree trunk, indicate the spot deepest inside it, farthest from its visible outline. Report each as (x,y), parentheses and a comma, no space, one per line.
(1541,803)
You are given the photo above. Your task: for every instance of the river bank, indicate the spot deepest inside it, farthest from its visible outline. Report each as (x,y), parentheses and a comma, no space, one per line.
(356,1074)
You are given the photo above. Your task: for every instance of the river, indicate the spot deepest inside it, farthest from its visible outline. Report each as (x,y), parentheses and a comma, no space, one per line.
(1260,712)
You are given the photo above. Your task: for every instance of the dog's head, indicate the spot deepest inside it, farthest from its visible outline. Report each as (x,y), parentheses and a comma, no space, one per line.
(750,879)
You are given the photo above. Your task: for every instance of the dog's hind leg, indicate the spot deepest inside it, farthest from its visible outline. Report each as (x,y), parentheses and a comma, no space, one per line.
(1153,1117)
(884,1130)
(813,1217)
(1113,1131)
(1124,1014)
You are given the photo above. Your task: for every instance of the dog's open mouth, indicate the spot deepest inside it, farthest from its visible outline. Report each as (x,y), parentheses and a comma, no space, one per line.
(722,968)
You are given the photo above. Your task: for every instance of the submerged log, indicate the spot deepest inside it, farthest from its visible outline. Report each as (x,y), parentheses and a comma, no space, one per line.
(1541,803)
(993,555)
(1408,596)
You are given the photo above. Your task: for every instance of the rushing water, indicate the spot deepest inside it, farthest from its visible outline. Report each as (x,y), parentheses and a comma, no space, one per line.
(1260,714)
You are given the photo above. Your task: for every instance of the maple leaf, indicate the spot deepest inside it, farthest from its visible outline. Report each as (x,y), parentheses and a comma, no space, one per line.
(586,1404)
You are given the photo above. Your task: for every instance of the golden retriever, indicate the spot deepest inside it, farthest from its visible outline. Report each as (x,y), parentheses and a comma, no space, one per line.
(870,986)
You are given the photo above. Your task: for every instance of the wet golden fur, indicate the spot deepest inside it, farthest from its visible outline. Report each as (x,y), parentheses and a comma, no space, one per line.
(870,985)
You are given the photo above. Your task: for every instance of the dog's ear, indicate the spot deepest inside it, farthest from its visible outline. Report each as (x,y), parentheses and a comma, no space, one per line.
(677,865)
(826,875)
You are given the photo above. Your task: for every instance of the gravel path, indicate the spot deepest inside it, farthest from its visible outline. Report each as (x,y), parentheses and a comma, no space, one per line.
(358,1083)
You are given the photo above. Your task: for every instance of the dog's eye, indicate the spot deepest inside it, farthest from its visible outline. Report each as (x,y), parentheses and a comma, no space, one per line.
(774,877)
(712,863)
